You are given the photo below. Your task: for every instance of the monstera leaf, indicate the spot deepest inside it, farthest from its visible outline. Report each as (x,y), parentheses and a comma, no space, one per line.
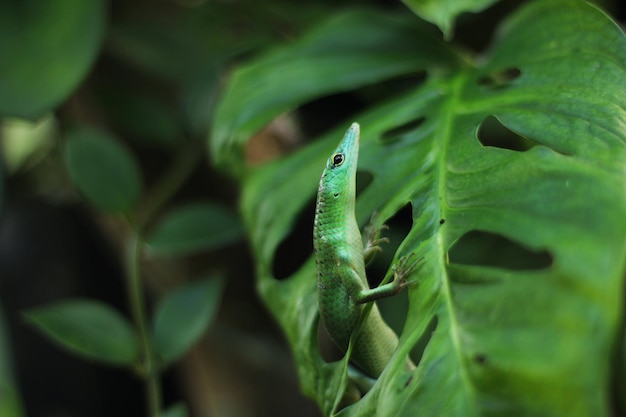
(513,164)
(444,12)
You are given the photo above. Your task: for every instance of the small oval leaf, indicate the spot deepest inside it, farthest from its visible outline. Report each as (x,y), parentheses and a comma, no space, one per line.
(196,227)
(88,328)
(184,315)
(103,170)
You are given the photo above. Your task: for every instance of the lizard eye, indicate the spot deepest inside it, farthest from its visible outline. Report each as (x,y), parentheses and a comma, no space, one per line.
(338,159)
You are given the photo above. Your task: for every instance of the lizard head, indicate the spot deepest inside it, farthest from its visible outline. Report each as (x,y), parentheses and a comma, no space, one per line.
(338,179)
(343,160)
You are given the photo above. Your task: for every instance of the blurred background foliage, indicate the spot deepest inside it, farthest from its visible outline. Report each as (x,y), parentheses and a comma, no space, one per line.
(145,75)
(142,75)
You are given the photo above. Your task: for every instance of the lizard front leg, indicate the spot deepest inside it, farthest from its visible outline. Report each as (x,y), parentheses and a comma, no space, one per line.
(401,272)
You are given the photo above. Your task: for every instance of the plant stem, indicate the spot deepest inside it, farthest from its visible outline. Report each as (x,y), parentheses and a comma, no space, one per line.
(176,175)
(180,169)
(137,303)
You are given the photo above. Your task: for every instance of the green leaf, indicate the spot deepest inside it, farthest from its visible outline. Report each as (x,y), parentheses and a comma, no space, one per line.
(177,410)
(184,315)
(527,333)
(196,227)
(103,170)
(444,12)
(88,328)
(352,49)
(47,49)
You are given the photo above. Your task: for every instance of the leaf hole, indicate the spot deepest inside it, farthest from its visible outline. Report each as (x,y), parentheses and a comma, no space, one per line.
(393,309)
(500,79)
(480,358)
(319,116)
(391,87)
(493,133)
(398,227)
(496,251)
(420,346)
(294,250)
(328,349)
(396,133)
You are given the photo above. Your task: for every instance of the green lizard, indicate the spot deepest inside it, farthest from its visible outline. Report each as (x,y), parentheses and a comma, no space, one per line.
(341,256)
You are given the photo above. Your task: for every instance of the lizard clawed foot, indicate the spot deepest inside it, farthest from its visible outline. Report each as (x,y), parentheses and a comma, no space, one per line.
(372,237)
(403,269)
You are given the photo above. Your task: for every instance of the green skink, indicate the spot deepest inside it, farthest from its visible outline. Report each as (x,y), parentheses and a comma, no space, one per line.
(341,255)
